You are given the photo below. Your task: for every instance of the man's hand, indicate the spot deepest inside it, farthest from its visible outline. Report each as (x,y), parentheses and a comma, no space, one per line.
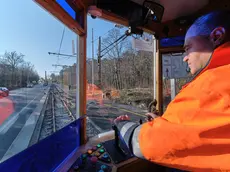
(151,116)
(121,118)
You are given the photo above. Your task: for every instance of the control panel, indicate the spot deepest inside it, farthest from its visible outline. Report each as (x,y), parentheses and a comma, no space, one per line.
(107,153)
(95,159)
(103,156)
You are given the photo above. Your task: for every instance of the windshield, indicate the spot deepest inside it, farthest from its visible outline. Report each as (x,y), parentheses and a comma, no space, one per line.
(37,76)
(121,81)
(38,64)
(120,76)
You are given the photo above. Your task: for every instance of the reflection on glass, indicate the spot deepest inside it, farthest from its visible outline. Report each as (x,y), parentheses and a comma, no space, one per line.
(38,77)
(37,89)
(175,76)
(126,83)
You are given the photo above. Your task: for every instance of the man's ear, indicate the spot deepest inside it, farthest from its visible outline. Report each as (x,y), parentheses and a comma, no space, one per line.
(217,36)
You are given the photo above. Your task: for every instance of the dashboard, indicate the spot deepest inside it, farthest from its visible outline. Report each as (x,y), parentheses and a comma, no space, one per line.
(106,153)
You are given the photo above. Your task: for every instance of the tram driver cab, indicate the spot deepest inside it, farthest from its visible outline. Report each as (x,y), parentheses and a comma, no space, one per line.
(69,149)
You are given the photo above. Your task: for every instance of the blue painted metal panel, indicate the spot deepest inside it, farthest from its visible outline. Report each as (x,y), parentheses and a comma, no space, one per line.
(48,153)
(67,8)
(172,42)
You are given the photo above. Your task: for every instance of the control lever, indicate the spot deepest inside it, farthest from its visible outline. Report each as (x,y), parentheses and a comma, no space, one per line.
(152,111)
(117,140)
(141,122)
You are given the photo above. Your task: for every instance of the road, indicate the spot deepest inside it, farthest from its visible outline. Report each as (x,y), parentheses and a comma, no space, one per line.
(100,117)
(24,101)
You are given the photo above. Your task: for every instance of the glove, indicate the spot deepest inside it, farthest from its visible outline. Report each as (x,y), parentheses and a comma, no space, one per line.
(126,128)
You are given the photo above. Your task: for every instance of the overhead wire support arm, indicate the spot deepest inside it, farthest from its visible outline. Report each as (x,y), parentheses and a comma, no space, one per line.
(122,38)
(59,54)
(114,42)
(114,46)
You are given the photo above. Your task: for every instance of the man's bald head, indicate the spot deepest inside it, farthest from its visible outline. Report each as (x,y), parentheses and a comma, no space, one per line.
(205,24)
(206,33)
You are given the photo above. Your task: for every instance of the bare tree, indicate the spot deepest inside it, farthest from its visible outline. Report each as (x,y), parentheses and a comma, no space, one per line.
(122,66)
(13,59)
(114,53)
(53,77)
(17,72)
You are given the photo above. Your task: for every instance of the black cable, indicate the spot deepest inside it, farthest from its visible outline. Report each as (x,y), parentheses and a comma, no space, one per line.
(114,42)
(114,45)
(101,36)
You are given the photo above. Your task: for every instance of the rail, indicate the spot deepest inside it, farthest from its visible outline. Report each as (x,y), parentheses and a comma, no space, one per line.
(57,112)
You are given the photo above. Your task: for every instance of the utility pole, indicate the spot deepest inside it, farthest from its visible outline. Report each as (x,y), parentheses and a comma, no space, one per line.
(92,61)
(45,76)
(99,63)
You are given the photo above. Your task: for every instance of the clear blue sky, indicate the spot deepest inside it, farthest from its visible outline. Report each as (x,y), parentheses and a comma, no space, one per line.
(27,28)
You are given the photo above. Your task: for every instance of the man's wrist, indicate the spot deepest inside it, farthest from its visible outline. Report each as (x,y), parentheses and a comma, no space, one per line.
(126,129)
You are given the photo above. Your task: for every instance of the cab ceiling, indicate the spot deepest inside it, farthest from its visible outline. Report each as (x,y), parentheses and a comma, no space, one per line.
(177,8)
(177,17)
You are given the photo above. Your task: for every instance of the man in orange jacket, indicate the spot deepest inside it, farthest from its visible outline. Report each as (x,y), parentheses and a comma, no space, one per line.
(194,132)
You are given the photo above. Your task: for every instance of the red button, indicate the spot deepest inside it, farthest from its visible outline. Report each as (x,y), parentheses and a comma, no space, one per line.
(94,159)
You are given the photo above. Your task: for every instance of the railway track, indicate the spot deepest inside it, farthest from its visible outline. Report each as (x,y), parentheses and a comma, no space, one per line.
(57,113)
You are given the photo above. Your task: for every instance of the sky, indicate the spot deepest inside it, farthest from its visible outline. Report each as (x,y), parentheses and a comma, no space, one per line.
(28,29)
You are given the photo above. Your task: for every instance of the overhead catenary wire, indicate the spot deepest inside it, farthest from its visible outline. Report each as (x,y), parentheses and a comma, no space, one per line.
(115,45)
(63,33)
(101,36)
(120,38)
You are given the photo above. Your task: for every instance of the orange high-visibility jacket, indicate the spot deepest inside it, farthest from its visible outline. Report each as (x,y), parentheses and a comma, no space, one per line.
(194,132)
